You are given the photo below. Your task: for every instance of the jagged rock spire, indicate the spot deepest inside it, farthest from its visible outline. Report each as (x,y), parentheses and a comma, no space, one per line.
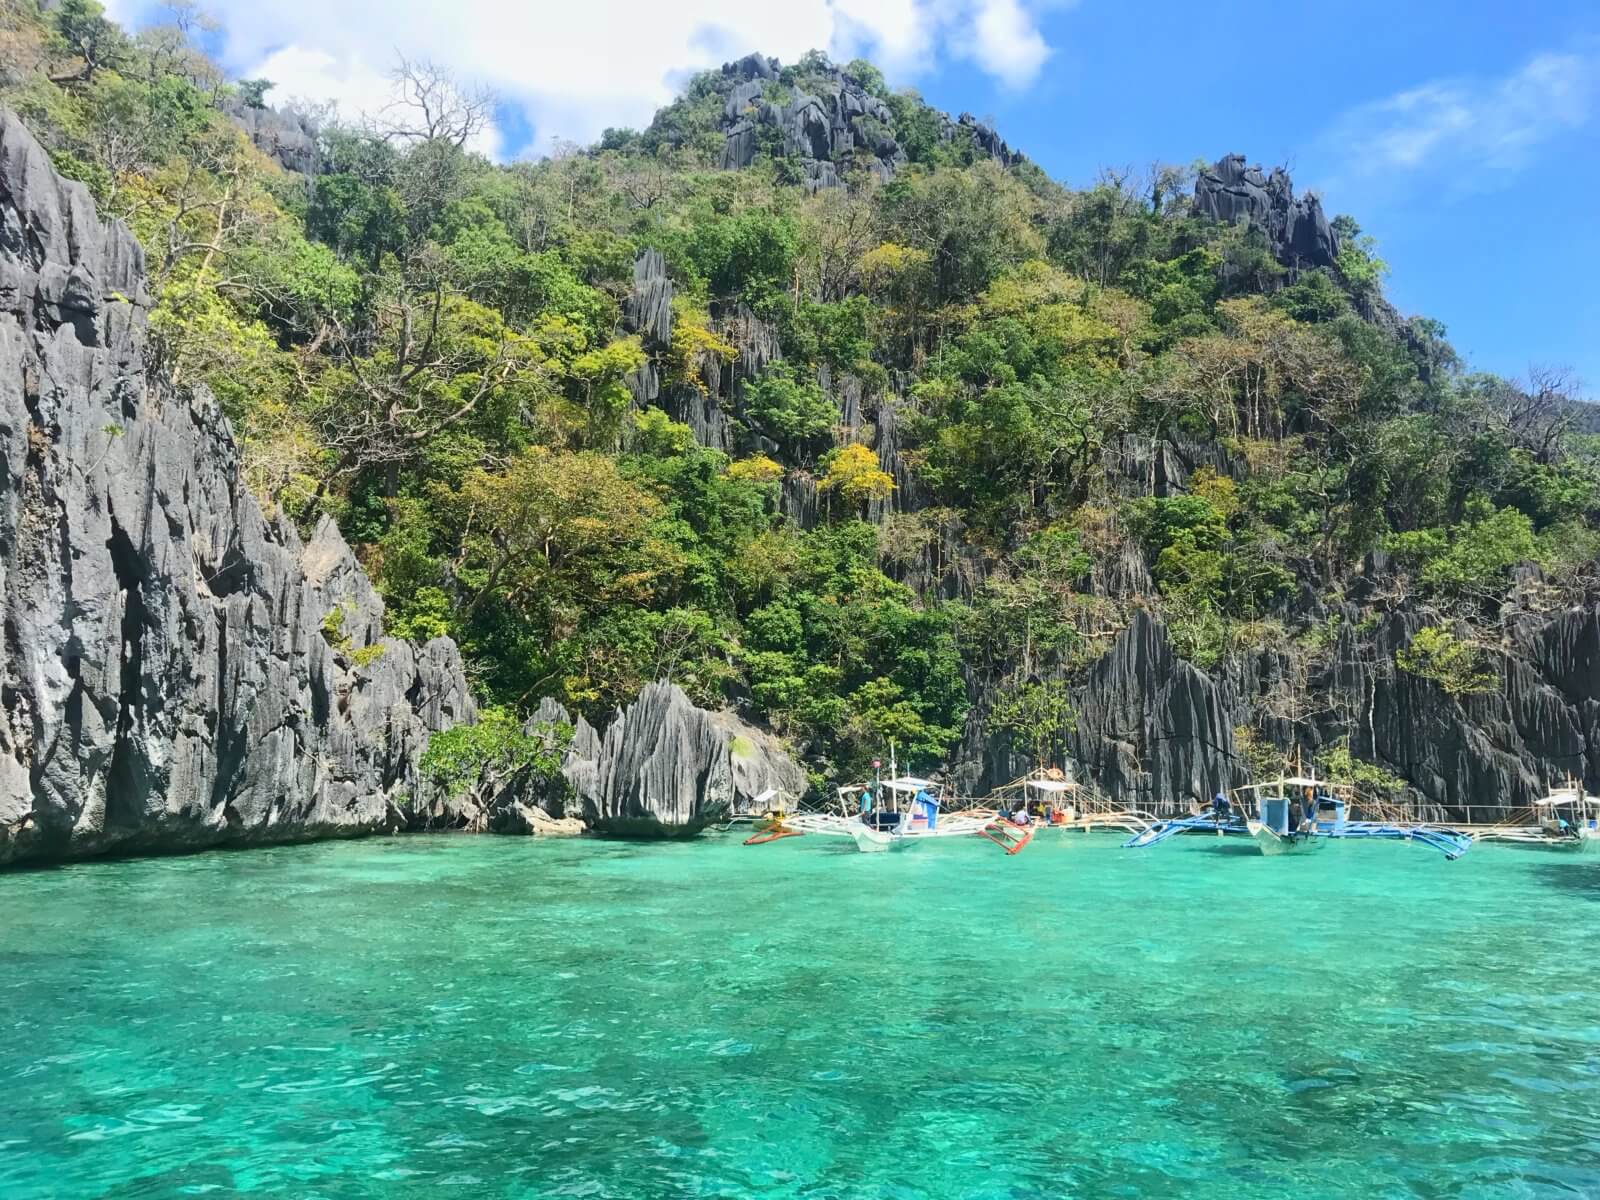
(177,669)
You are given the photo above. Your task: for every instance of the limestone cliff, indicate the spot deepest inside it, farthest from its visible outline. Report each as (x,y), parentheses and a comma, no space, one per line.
(1297,231)
(177,668)
(286,136)
(842,125)
(1158,732)
(665,767)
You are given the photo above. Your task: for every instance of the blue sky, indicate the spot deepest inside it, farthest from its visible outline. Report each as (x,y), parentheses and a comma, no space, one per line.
(1464,136)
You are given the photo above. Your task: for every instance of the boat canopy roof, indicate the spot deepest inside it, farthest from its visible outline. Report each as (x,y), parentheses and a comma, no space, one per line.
(1299,781)
(1566,796)
(1052,785)
(909,783)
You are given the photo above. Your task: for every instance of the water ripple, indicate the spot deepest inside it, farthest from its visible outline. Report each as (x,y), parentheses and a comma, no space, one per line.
(705,1020)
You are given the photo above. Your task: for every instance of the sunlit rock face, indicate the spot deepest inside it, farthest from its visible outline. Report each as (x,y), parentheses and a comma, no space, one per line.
(665,768)
(843,125)
(177,669)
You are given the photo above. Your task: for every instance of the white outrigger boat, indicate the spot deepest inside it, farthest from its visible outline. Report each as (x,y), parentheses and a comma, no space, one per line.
(1566,818)
(891,814)
(1051,798)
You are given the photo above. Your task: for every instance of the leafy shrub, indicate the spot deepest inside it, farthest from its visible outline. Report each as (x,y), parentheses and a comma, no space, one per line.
(789,405)
(1473,557)
(482,758)
(1456,665)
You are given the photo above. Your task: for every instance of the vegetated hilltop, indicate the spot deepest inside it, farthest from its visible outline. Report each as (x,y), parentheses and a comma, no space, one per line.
(824,405)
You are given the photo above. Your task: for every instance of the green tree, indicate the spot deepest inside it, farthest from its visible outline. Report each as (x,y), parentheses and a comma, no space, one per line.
(789,406)
(482,759)
(853,472)
(1456,665)
(1040,717)
(254,91)
(86,34)
(1470,559)
(555,529)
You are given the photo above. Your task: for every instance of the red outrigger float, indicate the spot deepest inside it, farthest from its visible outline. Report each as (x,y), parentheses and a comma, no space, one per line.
(1008,834)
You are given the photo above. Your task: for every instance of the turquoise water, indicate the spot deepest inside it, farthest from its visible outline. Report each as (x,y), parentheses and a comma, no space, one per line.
(494,1017)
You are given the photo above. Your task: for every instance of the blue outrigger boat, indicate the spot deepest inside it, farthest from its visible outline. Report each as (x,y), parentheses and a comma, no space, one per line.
(1220,819)
(1297,815)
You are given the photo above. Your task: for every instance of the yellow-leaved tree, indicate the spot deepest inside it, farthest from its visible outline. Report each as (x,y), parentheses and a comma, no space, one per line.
(758,468)
(852,471)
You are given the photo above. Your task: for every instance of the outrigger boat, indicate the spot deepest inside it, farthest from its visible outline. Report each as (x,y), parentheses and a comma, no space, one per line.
(1051,798)
(891,814)
(1219,818)
(1297,815)
(901,811)
(1566,818)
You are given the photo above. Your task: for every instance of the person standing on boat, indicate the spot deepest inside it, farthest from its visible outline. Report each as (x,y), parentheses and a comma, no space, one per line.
(1297,815)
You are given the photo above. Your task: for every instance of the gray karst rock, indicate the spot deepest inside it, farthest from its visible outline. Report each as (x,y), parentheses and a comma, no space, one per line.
(985,138)
(1153,729)
(841,125)
(807,131)
(799,499)
(1297,231)
(287,137)
(710,408)
(817,174)
(1156,731)
(1124,576)
(755,340)
(648,309)
(515,817)
(752,67)
(648,312)
(739,148)
(742,101)
(666,768)
(1502,747)
(177,669)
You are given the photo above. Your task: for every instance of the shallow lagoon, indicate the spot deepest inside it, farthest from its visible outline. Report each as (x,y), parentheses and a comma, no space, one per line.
(502,1017)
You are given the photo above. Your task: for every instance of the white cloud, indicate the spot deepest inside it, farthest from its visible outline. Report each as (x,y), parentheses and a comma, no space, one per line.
(1006,42)
(573,67)
(309,79)
(1466,125)
(318,77)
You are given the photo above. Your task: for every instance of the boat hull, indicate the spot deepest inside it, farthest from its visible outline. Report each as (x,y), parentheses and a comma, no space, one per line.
(1586,843)
(1274,844)
(872,841)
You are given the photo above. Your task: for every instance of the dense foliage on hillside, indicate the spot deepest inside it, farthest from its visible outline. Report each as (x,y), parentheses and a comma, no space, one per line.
(990,416)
